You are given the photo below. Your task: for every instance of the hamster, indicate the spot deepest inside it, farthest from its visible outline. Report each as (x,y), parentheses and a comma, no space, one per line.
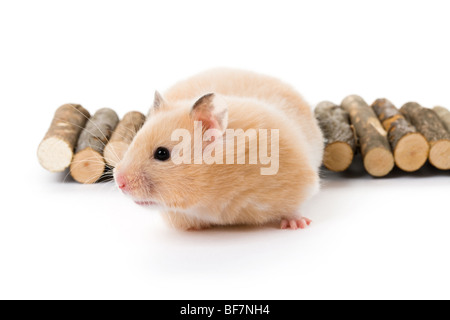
(194,195)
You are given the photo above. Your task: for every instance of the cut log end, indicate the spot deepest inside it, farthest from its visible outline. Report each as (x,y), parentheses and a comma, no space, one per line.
(411,152)
(114,152)
(440,154)
(56,149)
(55,154)
(87,166)
(338,156)
(379,162)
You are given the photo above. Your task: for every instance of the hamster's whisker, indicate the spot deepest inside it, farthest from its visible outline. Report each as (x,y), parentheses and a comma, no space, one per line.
(96,126)
(90,161)
(131,131)
(66,176)
(83,128)
(104,144)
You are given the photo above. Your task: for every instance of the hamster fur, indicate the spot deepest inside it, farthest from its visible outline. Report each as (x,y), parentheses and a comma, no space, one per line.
(196,196)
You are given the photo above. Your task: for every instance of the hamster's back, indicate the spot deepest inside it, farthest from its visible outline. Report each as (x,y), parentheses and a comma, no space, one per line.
(245,84)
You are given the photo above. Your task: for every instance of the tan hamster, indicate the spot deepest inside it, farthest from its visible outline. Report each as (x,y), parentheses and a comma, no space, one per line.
(195,195)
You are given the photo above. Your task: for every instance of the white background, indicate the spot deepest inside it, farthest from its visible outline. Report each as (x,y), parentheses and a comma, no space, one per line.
(371,238)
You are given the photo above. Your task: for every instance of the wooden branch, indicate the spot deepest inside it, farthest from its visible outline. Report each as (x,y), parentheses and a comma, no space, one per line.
(375,148)
(56,150)
(122,137)
(88,164)
(340,144)
(429,124)
(444,114)
(410,147)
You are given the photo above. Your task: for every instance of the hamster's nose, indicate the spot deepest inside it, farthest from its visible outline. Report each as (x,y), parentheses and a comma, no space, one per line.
(122,182)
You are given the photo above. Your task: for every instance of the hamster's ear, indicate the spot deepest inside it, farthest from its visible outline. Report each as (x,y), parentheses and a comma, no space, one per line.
(158,102)
(212,110)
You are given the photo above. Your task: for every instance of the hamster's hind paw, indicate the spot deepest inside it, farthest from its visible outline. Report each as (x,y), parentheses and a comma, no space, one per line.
(295,224)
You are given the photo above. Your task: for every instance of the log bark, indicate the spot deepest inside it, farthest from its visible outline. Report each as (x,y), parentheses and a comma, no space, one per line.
(340,144)
(375,147)
(122,137)
(444,114)
(410,147)
(88,164)
(56,150)
(430,125)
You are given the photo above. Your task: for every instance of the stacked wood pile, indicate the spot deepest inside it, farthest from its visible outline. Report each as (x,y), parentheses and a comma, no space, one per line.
(89,146)
(385,136)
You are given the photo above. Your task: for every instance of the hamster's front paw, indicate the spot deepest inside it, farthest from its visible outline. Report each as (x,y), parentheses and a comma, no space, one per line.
(294,224)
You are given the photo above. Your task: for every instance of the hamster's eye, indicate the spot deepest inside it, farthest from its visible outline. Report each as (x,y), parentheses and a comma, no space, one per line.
(162,154)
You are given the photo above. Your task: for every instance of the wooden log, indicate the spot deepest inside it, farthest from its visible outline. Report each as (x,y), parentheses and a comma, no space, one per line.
(444,114)
(375,148)
(55,152)
(88,164)
(122,137)
(340,144)
(410,147)
(429,124)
